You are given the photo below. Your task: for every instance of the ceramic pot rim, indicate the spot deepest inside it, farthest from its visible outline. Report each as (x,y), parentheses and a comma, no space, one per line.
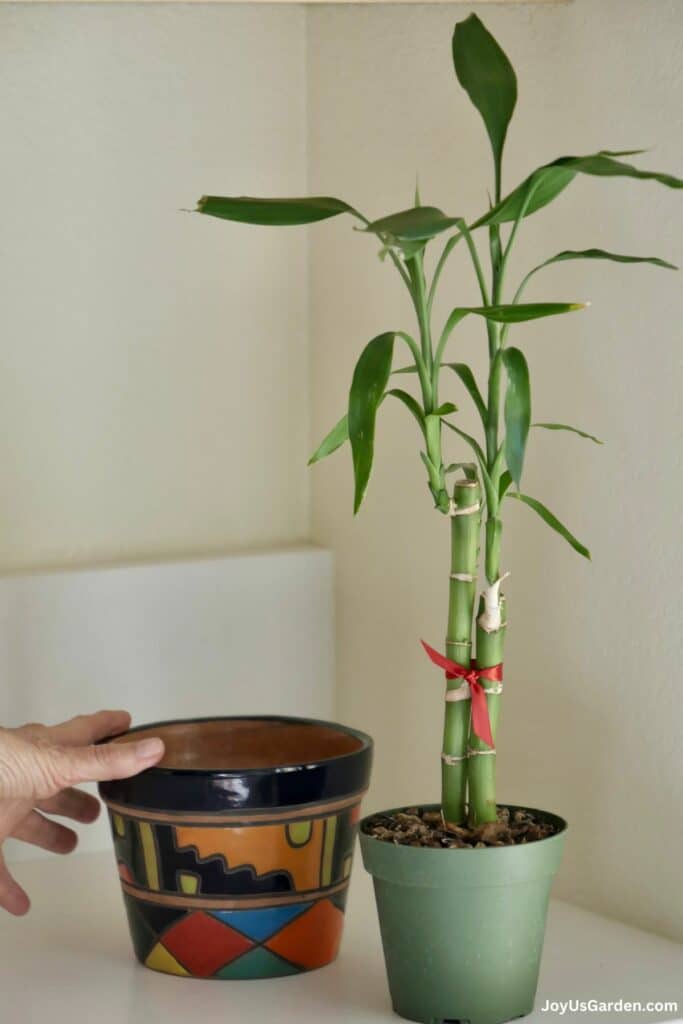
(287,785)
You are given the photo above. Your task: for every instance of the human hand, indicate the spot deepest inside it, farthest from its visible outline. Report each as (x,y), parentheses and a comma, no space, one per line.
(40,765)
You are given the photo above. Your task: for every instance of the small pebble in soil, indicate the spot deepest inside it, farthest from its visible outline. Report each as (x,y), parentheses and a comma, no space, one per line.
(416,826)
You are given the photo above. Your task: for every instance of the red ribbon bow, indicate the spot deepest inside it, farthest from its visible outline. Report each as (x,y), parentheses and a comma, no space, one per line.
(481,724)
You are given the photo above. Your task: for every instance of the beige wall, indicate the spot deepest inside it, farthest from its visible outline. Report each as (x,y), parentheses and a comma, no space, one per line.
(592,717)
(153,365)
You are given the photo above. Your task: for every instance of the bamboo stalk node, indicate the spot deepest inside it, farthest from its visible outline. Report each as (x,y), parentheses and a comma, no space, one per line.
(458,643)
(451,759)
(463,577)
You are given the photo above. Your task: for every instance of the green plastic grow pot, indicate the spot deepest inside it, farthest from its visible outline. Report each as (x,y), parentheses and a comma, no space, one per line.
(462,930)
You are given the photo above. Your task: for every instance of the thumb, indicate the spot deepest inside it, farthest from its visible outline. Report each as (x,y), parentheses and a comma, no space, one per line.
(69,766)
(12,896)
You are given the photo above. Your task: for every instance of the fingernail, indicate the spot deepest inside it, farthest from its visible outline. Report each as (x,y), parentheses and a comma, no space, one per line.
(146,749)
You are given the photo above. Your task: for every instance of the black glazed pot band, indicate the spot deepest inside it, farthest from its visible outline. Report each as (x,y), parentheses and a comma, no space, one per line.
(182,789)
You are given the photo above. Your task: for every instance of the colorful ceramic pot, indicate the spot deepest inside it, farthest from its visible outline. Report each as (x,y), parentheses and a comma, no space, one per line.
(235,852)
(462,930)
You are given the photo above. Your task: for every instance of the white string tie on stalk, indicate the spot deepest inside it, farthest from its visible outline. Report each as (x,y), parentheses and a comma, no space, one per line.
(466,510)
(463,692)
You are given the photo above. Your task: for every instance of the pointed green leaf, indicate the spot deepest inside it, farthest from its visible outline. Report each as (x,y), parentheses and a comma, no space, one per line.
(504,484)
(274,212)
(513,313)
(535,192)
(367,390)
(410,404)
(419,223)
(601,254)
(545,183)
(517,410)
(552,521)
(564,426)
(523,311)
(445,409)
(467,377)
(335,439)
(488,78)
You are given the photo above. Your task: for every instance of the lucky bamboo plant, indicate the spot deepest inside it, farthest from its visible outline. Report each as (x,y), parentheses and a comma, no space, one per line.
(473,504)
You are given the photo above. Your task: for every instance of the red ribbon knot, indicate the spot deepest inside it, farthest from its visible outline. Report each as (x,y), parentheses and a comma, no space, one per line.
(481,723)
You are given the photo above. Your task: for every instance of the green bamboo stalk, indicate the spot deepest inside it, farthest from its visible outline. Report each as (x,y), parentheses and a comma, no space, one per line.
(465,531)
(481,772)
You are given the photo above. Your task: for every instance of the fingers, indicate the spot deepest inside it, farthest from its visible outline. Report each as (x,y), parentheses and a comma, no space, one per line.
(68,766)
(74,804)
(85,729)
(12,896)
(46,834)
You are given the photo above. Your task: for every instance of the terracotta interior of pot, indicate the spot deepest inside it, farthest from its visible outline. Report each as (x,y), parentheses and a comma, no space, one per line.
(235,744)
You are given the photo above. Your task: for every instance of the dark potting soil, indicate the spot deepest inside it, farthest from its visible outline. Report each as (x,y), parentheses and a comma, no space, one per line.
(417,826)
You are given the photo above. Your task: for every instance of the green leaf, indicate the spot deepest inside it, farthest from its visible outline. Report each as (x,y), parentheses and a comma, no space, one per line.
(517,410)
(432,471)
(523,311)
(513,313)
(481,459)
(410,404)
(468,468)
(472,442)
(488,78)
(335,439)
(454,318)
(467,377)
(564,426)
(552,521)
(445,409)
(274,212)
(601,254)
(504,484)
(367,390)
(535,192)
(419,223)
(547,182)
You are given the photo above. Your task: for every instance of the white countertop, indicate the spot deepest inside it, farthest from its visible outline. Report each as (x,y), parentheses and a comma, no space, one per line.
(70,961)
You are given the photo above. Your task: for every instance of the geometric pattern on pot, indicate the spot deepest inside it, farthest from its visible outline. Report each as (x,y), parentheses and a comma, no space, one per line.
(269,941)
(251,858)
(235,852)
